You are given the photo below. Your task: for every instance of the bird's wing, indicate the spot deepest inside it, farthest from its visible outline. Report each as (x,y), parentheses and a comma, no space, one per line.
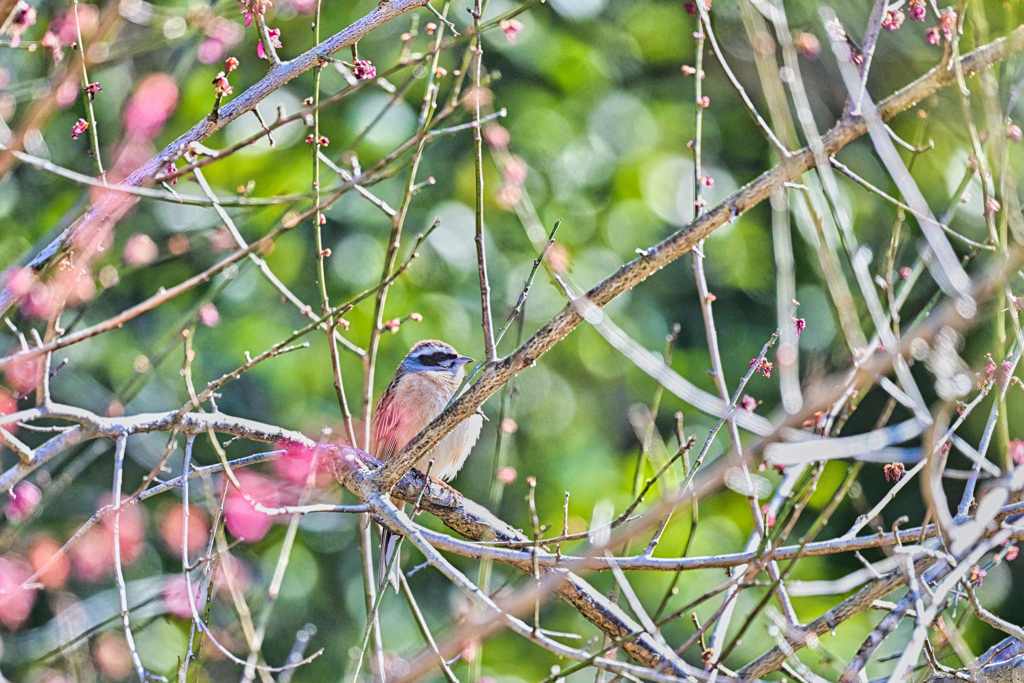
(386,431)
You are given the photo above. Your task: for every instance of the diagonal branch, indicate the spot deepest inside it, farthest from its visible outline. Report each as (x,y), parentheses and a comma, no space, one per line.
(848,129)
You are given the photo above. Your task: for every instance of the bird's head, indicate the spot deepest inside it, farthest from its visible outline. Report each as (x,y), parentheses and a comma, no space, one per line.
(434,356)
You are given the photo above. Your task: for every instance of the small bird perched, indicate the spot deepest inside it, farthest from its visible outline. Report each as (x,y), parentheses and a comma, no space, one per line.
(426,380)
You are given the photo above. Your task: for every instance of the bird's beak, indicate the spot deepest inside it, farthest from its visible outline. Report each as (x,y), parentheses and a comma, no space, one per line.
(462,360)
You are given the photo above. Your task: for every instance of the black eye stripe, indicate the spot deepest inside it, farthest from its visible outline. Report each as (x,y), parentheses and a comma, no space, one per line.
(436,358)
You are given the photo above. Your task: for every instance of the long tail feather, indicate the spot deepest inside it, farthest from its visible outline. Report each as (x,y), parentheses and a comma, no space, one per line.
(389,555)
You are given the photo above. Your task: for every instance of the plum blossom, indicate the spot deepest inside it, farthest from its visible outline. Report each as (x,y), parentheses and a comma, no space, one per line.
(363,70)
(80,127)
(275,41)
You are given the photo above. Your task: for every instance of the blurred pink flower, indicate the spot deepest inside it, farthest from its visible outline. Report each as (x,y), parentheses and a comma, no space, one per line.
(46,549)
(15,600)
(172,528)
(209,315)
(150,106)
(222,35)
(175,596)
(1015,449)
(511,28)
(241,517)
(21,374)
(87,18)
(23,17)
(92,556)
(303,6)
(497,136)
(294,466)
(515,170)
(140,250)
(24,499)
(7,406)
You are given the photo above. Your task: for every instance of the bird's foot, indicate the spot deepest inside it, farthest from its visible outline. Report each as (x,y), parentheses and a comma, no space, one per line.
(452,497)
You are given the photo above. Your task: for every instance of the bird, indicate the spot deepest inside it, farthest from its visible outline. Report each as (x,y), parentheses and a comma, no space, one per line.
(425,382)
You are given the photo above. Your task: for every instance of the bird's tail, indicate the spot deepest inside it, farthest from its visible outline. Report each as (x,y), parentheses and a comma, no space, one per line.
(389,555)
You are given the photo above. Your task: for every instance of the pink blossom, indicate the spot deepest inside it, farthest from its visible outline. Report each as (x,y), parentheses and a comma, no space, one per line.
(241,517)
(932,36)
(250,8)
(894,472)
(763,366)
(93,89)
(893,19)
(511,28)
(24,499)
(79,128)
(230,64)
(275,41)
(221,86)
(947,23)
(15,600)
(363,70)
(1015,450)
(1011,553)
(916,8)
(799,324)
(978,575)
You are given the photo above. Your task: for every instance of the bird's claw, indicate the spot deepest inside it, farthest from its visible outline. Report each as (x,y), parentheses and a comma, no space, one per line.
(452,498)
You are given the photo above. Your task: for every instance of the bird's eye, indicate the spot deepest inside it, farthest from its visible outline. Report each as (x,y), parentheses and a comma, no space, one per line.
(432,359)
